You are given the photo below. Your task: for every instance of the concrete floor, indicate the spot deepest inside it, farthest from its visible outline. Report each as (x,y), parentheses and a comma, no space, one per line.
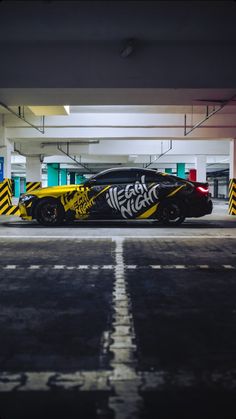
(118,320)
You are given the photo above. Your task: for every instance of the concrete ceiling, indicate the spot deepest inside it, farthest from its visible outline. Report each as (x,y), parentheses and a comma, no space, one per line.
(129,71)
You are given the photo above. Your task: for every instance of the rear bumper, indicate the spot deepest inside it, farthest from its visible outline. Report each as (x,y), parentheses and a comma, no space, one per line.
(200,208)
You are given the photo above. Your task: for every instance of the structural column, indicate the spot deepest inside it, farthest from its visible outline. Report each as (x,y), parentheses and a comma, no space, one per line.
(72,178)
(5,153)
(181,170)
(63,176)
(53,174)
(33,173)
(232,175)
(200,163)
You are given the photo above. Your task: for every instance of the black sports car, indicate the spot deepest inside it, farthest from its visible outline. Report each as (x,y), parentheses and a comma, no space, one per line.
(128,193)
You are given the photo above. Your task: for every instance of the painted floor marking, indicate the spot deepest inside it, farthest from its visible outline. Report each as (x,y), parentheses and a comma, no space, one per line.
(102,380)
(114,238)
(106,267)
(126,402)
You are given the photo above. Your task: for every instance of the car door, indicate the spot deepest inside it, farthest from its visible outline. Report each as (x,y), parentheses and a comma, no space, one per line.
(110,193)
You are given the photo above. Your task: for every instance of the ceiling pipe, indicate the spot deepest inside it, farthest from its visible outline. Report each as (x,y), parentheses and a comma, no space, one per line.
(208,115)
(21,115)
(67,153)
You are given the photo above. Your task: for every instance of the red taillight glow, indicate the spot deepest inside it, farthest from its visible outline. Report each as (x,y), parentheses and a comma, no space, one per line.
(202,189)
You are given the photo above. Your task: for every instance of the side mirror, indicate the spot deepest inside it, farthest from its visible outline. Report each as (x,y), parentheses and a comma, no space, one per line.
(90,182)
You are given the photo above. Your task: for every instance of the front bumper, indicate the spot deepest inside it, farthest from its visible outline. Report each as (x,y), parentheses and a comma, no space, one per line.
(25,212)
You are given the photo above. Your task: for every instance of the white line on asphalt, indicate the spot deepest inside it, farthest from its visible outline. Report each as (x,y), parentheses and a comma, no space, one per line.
(114,238)
(101,380)
(119,269)
(123,347)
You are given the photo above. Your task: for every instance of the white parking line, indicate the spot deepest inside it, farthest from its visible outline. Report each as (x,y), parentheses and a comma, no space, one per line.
(114,238)
(123,347)
(120,268)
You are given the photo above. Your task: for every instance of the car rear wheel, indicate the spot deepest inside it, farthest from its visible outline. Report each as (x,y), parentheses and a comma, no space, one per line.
(49,212)
(171,214)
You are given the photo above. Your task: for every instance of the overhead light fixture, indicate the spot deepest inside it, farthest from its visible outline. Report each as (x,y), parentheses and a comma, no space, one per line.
(128,48)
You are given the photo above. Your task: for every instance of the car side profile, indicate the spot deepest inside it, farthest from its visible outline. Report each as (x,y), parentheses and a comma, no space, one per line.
(127,193)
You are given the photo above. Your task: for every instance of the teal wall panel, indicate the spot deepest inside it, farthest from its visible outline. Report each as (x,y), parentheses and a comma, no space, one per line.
(53,174)
(181,170)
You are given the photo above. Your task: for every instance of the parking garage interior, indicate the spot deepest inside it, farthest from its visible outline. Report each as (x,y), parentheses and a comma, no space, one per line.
(117,319)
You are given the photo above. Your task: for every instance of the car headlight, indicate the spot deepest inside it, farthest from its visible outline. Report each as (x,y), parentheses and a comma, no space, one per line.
(25,198)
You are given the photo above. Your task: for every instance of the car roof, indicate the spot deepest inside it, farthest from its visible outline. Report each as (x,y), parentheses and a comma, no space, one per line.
(131,169)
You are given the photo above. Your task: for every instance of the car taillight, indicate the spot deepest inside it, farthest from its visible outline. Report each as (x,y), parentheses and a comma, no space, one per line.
(202,189)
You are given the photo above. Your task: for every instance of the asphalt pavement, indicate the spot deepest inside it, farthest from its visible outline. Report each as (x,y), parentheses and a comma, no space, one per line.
(118,320)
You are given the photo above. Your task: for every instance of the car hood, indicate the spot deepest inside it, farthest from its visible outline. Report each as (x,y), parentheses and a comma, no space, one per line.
(53,190)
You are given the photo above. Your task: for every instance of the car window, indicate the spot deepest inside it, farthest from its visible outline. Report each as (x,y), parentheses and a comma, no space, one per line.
(122,176)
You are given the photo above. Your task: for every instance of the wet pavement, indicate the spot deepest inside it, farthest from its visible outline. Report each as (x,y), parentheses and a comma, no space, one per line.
(139,322)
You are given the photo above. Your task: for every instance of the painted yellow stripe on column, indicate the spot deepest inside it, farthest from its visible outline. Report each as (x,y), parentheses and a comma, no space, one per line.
(32,186)
(149,212)
(232,197)
(2,211)
(13,210)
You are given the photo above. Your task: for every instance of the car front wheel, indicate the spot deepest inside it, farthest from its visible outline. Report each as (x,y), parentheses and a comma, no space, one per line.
(49,212)
(171,214)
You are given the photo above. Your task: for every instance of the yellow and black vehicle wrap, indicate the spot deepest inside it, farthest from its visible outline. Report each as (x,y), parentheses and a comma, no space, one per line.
(140,199)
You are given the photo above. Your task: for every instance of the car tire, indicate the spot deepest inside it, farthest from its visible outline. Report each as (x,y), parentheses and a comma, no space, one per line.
(49,212)
(171,214)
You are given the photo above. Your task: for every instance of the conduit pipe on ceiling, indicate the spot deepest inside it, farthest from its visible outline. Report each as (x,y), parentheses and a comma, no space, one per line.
(67,153)
(208,115)
(21,115)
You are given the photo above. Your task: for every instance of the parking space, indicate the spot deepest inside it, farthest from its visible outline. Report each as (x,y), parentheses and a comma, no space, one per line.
(136,323)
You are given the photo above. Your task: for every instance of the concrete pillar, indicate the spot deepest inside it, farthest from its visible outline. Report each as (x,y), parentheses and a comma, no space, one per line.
(5,152)
(232,175)
(181,170)
(16,188)
(53,174)
(1,169)
(33,169)
(200,164)
(232,159)
(72,178)
(216,188)
(63,176)
(80,179)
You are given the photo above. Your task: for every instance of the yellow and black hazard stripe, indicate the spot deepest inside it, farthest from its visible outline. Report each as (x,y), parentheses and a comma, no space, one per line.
(6,207)
(232,197)
(32,186)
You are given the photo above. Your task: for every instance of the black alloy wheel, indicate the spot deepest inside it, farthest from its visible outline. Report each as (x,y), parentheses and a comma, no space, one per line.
(171,214)
(49,212)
